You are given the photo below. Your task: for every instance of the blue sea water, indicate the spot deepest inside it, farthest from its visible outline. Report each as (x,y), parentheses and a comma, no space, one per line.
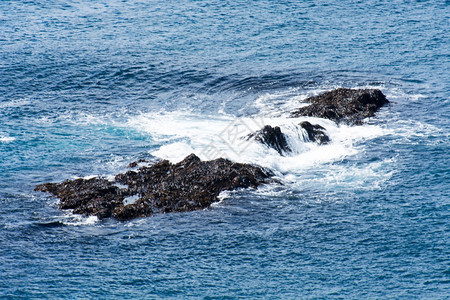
(86,87)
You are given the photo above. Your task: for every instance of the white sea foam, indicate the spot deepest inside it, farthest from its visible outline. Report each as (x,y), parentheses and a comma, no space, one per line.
(79,220)
(130,199)
(222,196)
(6,139)
(87,177)
(226,136)
(369,176)
(279,103)
(79,118)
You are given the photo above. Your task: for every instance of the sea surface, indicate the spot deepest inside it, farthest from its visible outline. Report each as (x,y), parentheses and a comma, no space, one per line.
(86,87)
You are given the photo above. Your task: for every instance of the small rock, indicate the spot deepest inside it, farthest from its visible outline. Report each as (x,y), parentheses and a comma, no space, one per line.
(272,137)
(316,133)
(136,163)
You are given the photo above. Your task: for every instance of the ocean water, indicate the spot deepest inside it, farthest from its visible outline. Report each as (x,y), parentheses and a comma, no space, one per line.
(86,87)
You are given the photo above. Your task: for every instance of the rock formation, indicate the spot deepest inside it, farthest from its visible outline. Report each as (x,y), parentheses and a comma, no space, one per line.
(316,133)
(164,187)
(272,137)
(343,105)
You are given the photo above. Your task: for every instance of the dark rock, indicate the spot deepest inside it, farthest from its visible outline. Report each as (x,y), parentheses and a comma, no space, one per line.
(95,196)
(136,163)
(271,137)
(316,133)
(164,187)
(139,209)
(344,105)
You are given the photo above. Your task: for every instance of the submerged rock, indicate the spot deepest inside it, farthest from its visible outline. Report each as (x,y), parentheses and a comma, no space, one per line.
(316,133)
(272,137)
(344,105)
(164,187)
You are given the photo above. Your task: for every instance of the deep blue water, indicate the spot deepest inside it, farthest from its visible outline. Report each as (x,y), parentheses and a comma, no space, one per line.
(88,87)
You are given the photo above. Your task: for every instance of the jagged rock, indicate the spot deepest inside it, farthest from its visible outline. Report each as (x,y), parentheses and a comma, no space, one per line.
(95,196)
(136,163)
(316,133)
(344,105)
(271,137)
(164,187)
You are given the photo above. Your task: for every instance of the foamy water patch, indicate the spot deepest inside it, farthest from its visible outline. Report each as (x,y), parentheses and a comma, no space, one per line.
(279,103)
(87,177)
(415,129)
(222,197)
(15,103)
(71,219)
(174,152)
(282,103)
(165,127)
(395,94)
(6,139)
(77,118)
(226,136)
(130,200)
(335,177)
(369,176)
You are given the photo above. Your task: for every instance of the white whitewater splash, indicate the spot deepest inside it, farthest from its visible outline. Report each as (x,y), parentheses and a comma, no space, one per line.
(78,220)
(6,139)
(130,199)
(226,136)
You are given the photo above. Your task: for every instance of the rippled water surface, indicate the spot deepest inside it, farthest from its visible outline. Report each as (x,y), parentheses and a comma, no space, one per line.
(88,87)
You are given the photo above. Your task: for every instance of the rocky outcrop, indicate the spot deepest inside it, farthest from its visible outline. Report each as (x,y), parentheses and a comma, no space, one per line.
(343,105)
(163,187)
(193,184)
(272,137)
(316,133)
